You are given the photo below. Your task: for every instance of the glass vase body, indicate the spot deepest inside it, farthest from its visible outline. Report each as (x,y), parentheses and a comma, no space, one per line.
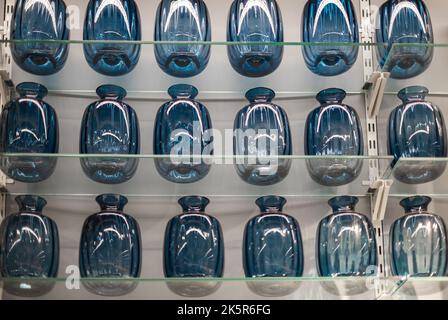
(260,22)
(417,129)
(272,242)
(29,248)
(346,244)
(110,247)
(182,20)
(418,241)
(42,21)
(29,125)
(112,21)
(262,129)
(110,126)
(330,23)
(182,127)
(404,22)
(333,129)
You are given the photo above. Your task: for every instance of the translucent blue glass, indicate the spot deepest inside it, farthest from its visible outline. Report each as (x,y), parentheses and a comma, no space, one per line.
(182,20)
(182,127)
(272,242)
(418,241)
(332,22)
(110,247)
(417,129)
(255,21)
(115,21)
(262,129)
(110,126)
(29,247)
(29,125)
(333,129)
(345,240)
(194,244)
(40,20)
(403,22)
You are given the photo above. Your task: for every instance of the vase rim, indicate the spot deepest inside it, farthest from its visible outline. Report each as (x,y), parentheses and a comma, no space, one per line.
(111,91)
(413,93)
(183,91)
(416,203)
(193,203)
(260,94)
(30,203)
(34,89)
(271,203)
(331,95)
(111,201)
(343,203)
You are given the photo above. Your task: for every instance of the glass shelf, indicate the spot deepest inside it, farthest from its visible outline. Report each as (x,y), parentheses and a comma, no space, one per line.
(421,289)
(222,181)
(306,288)
(418,167)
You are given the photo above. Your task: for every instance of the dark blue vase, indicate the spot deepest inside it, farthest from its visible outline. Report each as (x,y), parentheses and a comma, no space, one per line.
(29,125)
(417,129)
(181,129)
(262,129)
(330,22)
(182,20)
(42,21)
(112,21)
(333,129)
(418,241)
(110,247)
(194,244)
(272,242)
(29,247)
(258,21)
(345,240)
(110,126)
(403,22)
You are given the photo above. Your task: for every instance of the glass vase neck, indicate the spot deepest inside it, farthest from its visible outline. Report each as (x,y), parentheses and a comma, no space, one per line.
(413,93)
(193,203)
(183,91)
(32,90)
(343,203)
(111,202)
(331,95)
(110,91)
(260,94)
(30,203)
(271,204)
(417,204)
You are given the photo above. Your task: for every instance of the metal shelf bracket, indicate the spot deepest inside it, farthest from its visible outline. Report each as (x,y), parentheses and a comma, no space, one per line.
(381,195)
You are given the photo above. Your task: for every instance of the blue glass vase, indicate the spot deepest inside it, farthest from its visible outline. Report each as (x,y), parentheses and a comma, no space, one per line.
(110,247)
(29,248)
(257,21)
(112,21)
(333,129)
(346,244)
(331,22)
(418,241)
(182,127)
(182,20)
(110,126)
(404,22)
(262,129)
(29,125)
(268,252)
(42,21)
(194,247)
(417,129)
